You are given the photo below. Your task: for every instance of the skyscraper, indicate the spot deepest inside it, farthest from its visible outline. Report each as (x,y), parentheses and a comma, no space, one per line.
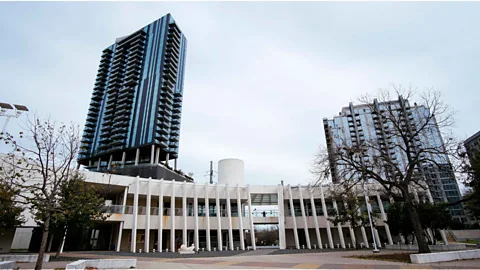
(356,124)
(135,110)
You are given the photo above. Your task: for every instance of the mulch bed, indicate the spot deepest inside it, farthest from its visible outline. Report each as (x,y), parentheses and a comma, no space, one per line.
(394,257)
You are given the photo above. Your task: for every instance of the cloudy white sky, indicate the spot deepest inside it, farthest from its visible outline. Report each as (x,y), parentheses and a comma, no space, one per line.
(260,76)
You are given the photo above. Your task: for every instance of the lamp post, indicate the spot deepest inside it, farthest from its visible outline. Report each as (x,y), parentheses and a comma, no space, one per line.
(16,111)
(375,249)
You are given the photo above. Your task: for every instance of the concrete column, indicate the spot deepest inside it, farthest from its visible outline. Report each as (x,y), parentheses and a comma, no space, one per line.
(175,164)
(352,232)
(339,227)
(172,217)
(147,222)
(252,230)
(63,240)
(207,217)
(195,213)
(219,221)
(229,215)
(292,210)
(377,238)
(137,156)
(304,216)
(240,219)
(281,218)
(157,155)
(167,158)
(184,202)
(124,203)
(98,165)
(415,194)
(364,234)
(124,156)
(315,218)
(384,217)
(109,166)
(429,194)
(133,244)
(160,217)
(152,155)
(325,213)
(119,237)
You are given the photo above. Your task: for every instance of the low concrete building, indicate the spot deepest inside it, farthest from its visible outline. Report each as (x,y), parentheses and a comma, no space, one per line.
(148,214)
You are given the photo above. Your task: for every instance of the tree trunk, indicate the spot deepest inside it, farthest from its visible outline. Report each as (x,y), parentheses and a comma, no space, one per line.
(43,244)
(417,227)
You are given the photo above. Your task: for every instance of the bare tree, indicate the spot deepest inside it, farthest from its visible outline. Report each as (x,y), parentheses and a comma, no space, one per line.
(397,157)
(39,165)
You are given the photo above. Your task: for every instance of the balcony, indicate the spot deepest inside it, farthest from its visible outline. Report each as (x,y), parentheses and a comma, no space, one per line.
(162,124)
(169,75)
(117,143)
(100,83)
(137,41)
(175,127)
(173,40)
(131,82)
(169,60)
(162,131)
(108,116)
(105,60)
(163,117)
(132,76)
(92,114)
(105,140)
(94,106)
(173,28)
(118,136)
(175,121)
(177,99)
(132,71)
(174,139)
(176,110)
(90,124)
(120,124)
(122,117)
(119,130)
(172,52)
(174,133)
(162,137)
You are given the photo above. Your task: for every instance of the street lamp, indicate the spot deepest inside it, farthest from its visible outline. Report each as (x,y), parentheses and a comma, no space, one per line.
(8,111)
(375,249)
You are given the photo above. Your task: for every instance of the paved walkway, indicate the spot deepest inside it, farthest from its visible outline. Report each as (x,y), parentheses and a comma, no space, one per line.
(323,260)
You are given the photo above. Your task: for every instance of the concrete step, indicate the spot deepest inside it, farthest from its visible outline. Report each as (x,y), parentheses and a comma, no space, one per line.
(257,252)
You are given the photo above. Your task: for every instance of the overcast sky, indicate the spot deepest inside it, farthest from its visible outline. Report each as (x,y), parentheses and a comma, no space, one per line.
(260,76)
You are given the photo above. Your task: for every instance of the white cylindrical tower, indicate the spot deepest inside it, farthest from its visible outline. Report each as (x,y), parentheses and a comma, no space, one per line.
(231,171)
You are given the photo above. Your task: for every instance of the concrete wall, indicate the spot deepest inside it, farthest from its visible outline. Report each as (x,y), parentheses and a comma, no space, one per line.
(462,235)
(22,238)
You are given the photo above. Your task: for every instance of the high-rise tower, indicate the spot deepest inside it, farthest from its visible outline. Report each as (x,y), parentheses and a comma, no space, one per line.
(135,110)
(357,124)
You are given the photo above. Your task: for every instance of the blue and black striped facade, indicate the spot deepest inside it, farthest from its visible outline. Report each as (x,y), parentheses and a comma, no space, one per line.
(137,97)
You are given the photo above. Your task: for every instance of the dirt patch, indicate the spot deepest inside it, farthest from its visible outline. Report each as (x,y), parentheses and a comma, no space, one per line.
(394,257)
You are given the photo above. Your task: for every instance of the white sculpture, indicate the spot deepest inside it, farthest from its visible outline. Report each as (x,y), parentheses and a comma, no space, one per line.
(186,250)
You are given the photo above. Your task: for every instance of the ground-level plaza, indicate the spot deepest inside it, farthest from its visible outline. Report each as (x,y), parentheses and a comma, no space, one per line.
(257,259)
